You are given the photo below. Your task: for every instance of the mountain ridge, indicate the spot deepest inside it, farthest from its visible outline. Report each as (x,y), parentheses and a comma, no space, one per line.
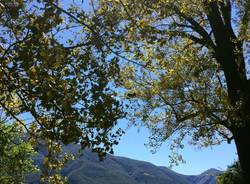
(87,169)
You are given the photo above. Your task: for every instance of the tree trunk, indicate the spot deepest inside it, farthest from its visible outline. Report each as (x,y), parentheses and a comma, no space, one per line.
(242,141)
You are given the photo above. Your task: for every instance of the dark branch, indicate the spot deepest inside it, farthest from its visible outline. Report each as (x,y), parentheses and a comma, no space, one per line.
(16,118)
(244,24)
(197,28)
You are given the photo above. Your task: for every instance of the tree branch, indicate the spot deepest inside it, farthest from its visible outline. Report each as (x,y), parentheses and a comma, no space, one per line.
(16,118)
(197,28)
(96,35)
(244,23)
(191,37)
(215,21)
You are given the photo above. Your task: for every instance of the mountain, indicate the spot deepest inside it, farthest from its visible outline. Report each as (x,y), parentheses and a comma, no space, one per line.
(207,177)
(87,169)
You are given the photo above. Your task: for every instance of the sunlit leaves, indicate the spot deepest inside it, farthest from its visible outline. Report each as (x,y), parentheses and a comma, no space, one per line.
(57,71)
(174,76)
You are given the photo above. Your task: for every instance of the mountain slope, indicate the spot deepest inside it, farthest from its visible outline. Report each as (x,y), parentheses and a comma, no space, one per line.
(87,169)
(207,177)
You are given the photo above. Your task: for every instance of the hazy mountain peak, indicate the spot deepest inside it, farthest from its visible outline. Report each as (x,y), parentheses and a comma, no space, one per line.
(212,171)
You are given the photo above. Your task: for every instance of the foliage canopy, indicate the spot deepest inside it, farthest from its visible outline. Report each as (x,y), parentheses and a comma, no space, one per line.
(183,64)
(56,78)
(188,68)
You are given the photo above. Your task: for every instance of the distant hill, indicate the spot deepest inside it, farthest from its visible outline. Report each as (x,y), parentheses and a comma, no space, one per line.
(207,177)
(87,169)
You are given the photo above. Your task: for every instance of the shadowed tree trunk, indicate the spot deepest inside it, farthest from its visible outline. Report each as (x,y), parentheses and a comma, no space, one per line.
(229,54)
(241,137)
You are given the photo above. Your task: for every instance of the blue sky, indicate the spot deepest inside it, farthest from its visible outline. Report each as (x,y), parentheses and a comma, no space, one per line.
(197,160)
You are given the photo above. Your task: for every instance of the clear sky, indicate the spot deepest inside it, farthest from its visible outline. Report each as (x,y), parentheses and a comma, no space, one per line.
(197,160)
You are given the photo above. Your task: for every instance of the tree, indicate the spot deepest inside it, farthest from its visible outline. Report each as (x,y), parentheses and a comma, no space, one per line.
(186,68)
(233,175)
(55,72)
(15,154)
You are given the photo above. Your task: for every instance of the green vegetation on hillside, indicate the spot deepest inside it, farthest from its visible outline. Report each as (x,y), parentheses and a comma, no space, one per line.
(15,155)
(233,175)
